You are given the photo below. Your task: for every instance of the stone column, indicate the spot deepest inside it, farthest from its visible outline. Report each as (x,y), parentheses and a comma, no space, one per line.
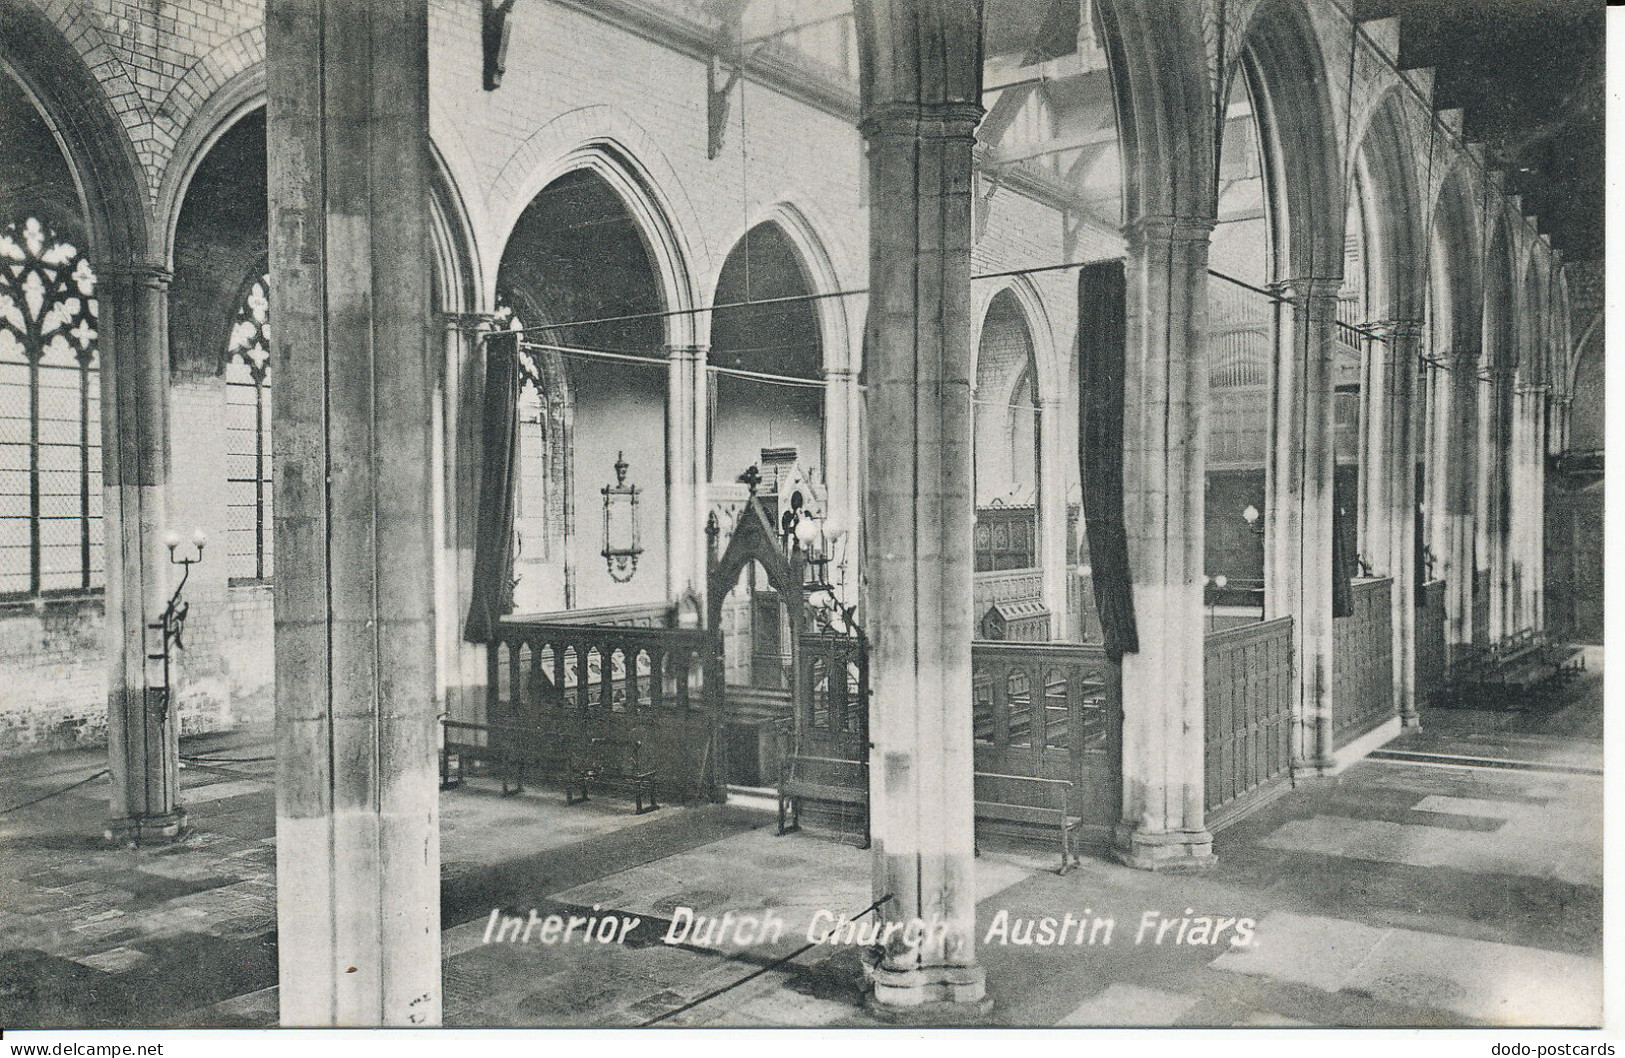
(358,855)
(1405,419)
(1488,531)
(843,461)
(1164,467)
(1052,557)
(1528,504)
(686,396)
(142,725)
(919,560)
(1437,458)
(1537,455)
(1461,495)
(1375,517)
(1298,530)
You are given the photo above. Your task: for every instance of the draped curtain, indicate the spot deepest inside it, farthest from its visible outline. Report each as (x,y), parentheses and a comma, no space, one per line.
(1102,340)
(492,596)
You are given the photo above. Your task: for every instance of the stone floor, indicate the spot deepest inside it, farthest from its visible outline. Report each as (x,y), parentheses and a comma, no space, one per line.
(1404,892)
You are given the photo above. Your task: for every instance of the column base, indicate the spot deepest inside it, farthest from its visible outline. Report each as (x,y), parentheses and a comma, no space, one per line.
(930,995)
(147,830)
(1173,852)
(1313,769)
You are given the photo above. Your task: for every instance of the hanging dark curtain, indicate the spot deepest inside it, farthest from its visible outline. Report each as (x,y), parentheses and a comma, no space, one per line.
(1102,347)
(499,437)
(1343,545)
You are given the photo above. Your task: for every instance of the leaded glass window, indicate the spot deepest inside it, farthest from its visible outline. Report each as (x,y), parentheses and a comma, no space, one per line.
(248,434)
(50,413)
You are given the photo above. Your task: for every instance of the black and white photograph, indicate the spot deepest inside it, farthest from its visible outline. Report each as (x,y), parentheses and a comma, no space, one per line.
(801,514)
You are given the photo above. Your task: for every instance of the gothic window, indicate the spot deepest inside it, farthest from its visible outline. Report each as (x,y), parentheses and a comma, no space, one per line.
(50,413)
(248,434)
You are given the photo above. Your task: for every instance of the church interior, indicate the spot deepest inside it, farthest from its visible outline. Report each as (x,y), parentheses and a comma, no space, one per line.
(801,513)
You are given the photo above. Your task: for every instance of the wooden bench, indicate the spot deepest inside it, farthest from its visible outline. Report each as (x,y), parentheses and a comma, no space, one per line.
(1058,814)
(577,761)
(516,751)
(1567,661)
(795,785)
(613,764)
(1513,672)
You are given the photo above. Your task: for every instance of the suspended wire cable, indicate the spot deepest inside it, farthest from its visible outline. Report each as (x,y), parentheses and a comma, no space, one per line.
(54,793)
(658,364)
(657,314)
(769,968)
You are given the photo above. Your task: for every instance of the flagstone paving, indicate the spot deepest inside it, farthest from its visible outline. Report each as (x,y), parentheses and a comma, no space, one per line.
(1399,893)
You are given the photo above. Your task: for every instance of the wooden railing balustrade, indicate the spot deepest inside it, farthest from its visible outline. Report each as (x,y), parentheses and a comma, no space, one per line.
(1363,663)
(1247,716)
(1432,652)
(631,683)
(1049,710)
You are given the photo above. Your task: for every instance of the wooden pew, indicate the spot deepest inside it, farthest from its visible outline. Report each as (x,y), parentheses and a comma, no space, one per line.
(1059,815)
(517,752)
(835,780)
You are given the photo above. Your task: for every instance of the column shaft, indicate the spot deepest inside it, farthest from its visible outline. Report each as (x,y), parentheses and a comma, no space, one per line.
(1405,420)
(1298,536)
(357,812)
(1537,516)
(843,458)
(686,397)
(919,560)
(1051,497)
(143,728)
(1164,467)
(1375,500)
(1461,565)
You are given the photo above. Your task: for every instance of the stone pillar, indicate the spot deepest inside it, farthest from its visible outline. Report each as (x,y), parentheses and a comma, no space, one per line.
(1505,470)
(463,673)
(1487,518)
(843,462)
(686,444)
(1461,508)
(1298,510)
(919,560)
(1164,470)
(358,857)
(1375,503)
(142,724)
(1528,504)
(1405,419)
(1052,556)
(1537,455)
(1438,459)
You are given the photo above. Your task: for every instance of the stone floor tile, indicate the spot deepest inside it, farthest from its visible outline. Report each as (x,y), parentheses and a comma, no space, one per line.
(1466,806)
(1488,982)
(1127,1006)
(114,960)
(1321,952)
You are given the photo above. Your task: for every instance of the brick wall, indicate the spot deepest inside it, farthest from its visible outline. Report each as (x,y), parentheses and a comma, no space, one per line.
(55,688)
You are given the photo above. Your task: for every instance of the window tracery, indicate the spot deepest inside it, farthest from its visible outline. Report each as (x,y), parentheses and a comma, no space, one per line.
(50,412)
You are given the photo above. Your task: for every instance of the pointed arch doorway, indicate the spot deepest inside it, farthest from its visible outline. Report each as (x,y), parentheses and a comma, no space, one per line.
(803,692)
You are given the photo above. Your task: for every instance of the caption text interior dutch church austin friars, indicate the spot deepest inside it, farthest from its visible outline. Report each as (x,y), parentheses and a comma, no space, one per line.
(745,929)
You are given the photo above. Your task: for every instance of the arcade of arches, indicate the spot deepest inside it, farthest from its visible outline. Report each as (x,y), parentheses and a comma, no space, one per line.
(504,379)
